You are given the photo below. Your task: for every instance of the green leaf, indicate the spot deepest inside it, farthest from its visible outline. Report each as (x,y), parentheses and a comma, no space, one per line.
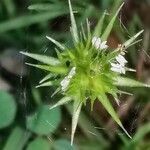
(17,139)
(28,20)
(132,39)
(39,144)
(46,6)
(54,69)
(63,101)
(56,42)
(74,30)
(137,139)
(62,144)
(115,5)
(42,58)
(36,96)
(76,112)
(110,25)
(145,129)
(99,26)
(7,109)
(10,7)
(123,81)
(108,106)
(44,121)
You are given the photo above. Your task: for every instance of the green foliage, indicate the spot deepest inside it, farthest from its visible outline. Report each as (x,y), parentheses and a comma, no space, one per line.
(7,109)
(22,28)
(44,121)
(39,144)
(98,28)
(136,142)
(62,144)
(43,144)
(110,25)
(17,139)
(27,20)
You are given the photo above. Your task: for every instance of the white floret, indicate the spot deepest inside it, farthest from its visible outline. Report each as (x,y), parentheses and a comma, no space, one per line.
(98,44)
(65,82)
(117,68)
(121,60)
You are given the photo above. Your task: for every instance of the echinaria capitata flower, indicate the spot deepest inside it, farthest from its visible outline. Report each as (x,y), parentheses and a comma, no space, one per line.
(87,70)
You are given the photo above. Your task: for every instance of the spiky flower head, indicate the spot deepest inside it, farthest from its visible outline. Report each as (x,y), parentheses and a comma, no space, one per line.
(90,70)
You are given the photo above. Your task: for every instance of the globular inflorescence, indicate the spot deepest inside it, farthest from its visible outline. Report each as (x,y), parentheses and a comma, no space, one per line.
(89,70)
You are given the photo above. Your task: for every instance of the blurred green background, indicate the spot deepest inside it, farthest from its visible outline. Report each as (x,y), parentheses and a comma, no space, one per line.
(26,123)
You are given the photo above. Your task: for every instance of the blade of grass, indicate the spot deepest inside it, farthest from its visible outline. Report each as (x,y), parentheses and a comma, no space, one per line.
(74,30)
(86,13)
(46,6)
(99,26)
(145,129)
(116,5)
(110,25)
(28,20)
(17,139)
(10,6)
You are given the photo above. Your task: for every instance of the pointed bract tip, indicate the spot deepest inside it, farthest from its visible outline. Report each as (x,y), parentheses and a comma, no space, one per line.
(74,30)
(47,37)
(22,52)
(139,33)
(142,30)
(126,131)
(71,142)
(147,85)
(122,4)
(29,64)
(52,107)
(37,86)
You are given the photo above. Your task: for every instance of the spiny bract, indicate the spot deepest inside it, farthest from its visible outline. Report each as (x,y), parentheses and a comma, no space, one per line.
(90,70)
